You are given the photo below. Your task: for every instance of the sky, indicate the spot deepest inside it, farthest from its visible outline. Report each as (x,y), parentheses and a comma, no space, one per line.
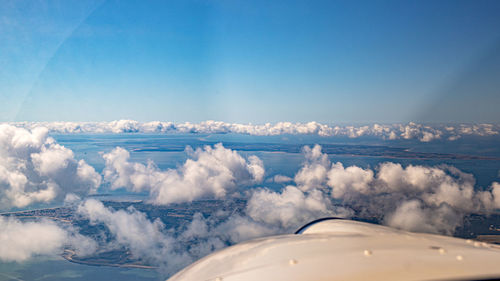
(250,61)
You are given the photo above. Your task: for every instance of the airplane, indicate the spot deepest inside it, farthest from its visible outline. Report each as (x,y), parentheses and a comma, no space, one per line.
(340,249)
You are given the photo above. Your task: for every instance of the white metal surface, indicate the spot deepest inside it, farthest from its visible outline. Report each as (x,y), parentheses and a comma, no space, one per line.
(349,250)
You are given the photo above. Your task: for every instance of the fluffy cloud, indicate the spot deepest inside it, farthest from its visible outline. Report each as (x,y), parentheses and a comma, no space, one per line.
(343,180)
(280,179)
(290,208)
(413,215)
(491,197)
(211,171)
(147,240)
(33,168)
(403,197)
(415,198)
(424,133)
(22,240)
(170,249)
(421,132)
(314,170)
(398,196)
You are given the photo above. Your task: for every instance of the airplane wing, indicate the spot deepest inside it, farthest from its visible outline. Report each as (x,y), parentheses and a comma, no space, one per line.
(337,249)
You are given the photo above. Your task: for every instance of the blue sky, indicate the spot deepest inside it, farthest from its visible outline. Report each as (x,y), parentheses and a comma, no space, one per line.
(250,61)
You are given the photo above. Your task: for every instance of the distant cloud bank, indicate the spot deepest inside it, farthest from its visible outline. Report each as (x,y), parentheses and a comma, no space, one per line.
(424,133)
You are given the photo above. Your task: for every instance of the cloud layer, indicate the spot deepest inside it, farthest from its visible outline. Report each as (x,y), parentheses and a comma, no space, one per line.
(424,133)
(399,196)
(415,198)
(34,169)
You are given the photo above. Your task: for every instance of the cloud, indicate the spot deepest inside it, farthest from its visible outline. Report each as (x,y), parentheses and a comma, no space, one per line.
(400,196)
(35,169)
(412,197)
(389,192)
(414,216)
(146,240)
(490,198)
(22,240)
(281,179)
(421,132)
(169,249)
(314,170)
(343,180)
(211,171)
(290,208)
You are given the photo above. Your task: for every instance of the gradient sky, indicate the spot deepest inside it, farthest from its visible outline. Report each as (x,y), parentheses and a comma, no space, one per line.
(250,61)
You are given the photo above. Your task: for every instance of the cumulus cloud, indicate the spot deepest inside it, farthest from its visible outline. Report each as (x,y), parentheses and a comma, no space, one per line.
(400,196)
(290,208)
(421,132)
(491,197)
(414,216)
(35,169)
(211,171)
(170,249)
(146,240)
(343,180)
(281,179)
(22,240)
(390,192)
(412,197)
(314,170)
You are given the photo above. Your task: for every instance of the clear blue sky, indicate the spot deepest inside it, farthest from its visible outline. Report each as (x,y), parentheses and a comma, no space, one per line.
(250,61)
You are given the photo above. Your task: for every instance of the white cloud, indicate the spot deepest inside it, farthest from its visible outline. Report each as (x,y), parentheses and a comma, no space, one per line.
(281,179)
(211,171)
(342,180)
(390,192)
(399,195)
(420,132)
(290,208)
(170,249)
(22,240)
(415,198)
(314,169)
(130,228)
(414,216)
(424,133)
(491,197)
(34,169)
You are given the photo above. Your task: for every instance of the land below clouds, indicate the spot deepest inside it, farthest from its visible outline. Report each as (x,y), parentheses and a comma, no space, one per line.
(330,149)
(175,216)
